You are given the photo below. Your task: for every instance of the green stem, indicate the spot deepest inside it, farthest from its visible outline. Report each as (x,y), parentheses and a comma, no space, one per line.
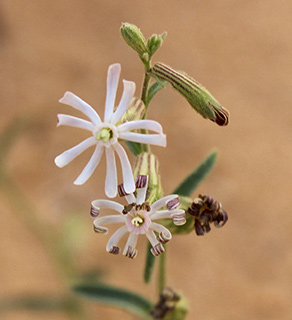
(145,147)
(161,279)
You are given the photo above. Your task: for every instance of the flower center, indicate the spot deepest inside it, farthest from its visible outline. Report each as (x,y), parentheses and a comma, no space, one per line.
(105,134)
(137,221)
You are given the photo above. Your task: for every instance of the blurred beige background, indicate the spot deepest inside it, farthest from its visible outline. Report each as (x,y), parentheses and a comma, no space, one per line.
(241,51)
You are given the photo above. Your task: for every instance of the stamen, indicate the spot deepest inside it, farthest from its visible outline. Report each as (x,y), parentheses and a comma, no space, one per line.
(94,212)
(157,249)
(131,252)
(114,250)
(141,181)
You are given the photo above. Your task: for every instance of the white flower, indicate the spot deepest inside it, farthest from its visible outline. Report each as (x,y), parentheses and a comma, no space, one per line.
(137,218)
(105,135)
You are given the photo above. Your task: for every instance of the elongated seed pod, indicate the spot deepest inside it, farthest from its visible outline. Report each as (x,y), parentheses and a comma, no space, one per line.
(196,94)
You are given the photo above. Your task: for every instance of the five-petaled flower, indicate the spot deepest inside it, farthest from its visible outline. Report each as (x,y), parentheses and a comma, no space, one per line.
(105,134)
(138,217)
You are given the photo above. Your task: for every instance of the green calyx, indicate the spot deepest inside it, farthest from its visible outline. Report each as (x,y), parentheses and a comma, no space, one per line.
(196,94)
(147,164)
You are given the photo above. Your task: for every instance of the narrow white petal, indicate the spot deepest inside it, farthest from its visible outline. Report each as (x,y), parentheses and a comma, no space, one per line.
(129,89)
(130,198)
(128,179)
(74,101)
(67,156)
(91,165)
(161,203)
(131,242)
(113,75)
(115,238)
(66,120)
(164,214)
(160,228)
(111,180)
(98,222)
(99,204)
(155,139)
(151,237)
(141,124)
(141,193)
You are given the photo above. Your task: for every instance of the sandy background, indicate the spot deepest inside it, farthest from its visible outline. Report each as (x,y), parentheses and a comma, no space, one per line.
(241,51)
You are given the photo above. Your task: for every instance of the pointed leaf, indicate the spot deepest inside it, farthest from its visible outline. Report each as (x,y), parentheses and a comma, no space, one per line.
(156,86)
(197,176)
(116,297)
(135,147)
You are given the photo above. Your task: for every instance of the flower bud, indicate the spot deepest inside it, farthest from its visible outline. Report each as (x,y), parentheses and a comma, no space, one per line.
(155,42)
(207,210)
(197,95)
(135,39)
(147,164)
(135,111)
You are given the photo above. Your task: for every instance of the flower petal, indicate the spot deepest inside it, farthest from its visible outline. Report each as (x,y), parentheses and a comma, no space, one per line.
(115,238)
(129,183)
(111,180)
(164,233)
(74,101)
(129,89)
(161,203)
(113,75)
(141,124)
(98,204)
(67,156)
(100,222)
(151,237)
(91,165)
(165,214)
(155,139)
(141,193)
(131,242)
(66,120)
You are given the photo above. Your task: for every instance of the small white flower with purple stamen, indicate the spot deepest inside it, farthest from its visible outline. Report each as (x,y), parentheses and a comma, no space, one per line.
(137,218)
(105,135)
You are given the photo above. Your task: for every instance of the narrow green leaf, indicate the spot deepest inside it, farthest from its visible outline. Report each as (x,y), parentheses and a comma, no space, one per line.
(197,176)
(149,264)
(116,297)
(156,86)
(135,147)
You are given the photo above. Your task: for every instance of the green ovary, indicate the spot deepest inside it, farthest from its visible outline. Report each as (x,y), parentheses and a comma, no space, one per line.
(104,134)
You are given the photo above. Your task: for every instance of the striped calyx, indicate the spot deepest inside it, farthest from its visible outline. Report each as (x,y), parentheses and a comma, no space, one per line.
(135,111)
(196,94)
(147,164)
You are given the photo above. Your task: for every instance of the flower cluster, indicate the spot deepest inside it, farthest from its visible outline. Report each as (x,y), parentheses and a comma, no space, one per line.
(138,215)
